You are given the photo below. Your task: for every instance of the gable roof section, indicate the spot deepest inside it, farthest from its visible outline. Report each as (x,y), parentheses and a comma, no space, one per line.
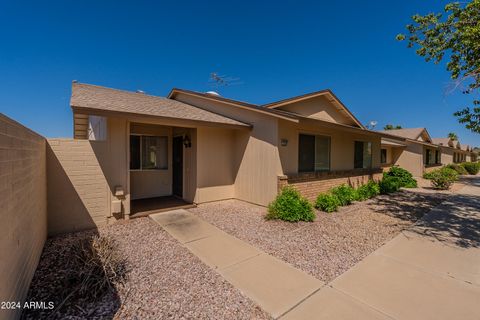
(447,142)
(86,97)
(409,133)
(248,106)
(331,97)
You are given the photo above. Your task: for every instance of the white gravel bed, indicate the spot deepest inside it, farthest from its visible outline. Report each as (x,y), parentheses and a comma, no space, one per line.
(165,281)
(331,244)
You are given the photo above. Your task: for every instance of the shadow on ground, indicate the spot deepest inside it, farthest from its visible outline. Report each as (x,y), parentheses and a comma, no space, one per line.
(455,222)
(57,280)
(407,205)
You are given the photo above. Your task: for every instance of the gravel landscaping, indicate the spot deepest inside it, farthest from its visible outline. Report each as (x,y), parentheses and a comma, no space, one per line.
(331,244)
(165,281)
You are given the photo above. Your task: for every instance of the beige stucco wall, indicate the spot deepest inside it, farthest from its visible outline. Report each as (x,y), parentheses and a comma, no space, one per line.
(256,159)
(152,183)
(318,108)
(447,155)
(23,214)
(216,168)
(78,192)
(341,149)
(411,158)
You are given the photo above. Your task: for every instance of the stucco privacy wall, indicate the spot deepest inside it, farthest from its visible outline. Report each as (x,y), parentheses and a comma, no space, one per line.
(23,209)
(411,158)
(78,195)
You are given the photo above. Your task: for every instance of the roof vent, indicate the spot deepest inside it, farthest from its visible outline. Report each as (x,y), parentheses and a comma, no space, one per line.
(213,93)
(140,91)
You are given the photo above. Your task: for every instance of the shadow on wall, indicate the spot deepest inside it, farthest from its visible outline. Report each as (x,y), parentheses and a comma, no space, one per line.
(66,211)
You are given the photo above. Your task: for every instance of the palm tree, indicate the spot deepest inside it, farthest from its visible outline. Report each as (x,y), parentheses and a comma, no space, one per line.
(453,136)
(391,127)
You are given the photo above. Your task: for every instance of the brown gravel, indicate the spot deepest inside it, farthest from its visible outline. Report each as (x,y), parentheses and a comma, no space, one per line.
(334,242)
(165,281)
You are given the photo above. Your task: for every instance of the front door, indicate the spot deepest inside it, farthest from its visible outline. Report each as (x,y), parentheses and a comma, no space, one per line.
(177,184)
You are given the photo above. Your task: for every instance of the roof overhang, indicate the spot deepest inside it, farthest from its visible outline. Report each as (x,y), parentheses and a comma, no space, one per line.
(331,97)
(388,142)
(155,119)
(243,105)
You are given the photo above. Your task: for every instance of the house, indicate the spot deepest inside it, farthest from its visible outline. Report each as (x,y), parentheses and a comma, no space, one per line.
(454,152)
(132,150)
(417,153)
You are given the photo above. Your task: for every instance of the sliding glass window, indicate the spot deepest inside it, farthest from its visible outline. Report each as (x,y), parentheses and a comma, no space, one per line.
(313,153)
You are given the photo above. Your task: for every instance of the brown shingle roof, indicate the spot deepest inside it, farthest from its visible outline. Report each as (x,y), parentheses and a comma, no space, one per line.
(441,141)
(409,133)
(90,97)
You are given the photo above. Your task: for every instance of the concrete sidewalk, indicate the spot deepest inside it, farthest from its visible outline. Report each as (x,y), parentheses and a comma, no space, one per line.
(431,271)
(273,284)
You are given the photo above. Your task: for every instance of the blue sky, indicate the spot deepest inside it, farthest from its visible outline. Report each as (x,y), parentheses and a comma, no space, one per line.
(277,49)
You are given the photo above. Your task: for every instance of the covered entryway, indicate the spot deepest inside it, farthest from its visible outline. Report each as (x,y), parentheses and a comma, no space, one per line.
(159,157)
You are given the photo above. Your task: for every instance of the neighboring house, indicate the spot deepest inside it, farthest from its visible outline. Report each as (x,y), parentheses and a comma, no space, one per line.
(454,152)
(417,153)
(202,147)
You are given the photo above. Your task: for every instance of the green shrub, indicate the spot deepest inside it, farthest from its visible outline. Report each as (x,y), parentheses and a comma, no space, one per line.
(289,205)
(367,191)
(405,178)
(428,175)
(327,202)
(460,170)
(471,167)
(443,178)
(389,184)
(345,194)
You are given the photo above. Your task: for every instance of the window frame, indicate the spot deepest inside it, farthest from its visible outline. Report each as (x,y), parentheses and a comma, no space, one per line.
(141,151)
(329,138)
(381,155)
(363,160)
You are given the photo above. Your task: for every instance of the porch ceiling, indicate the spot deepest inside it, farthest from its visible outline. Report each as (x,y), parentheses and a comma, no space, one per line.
(90,99)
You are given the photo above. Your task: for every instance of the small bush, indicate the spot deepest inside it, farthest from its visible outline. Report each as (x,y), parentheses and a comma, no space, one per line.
(443,178)
(289,205)
(327,202)
(405,178)
(460,170)
(428,175)
(345,194)
(100,266)
(471,167)
(367,191)
(389,184)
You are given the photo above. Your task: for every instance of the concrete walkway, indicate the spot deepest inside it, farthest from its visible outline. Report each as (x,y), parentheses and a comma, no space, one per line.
(431,271)
(273,284)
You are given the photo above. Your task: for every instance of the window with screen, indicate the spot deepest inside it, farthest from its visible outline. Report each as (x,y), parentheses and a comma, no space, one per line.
(362,155)
(148,152)
(313,153)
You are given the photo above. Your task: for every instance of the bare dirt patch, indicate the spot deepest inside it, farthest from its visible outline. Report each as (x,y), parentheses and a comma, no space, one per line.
(165,281)
(333,243)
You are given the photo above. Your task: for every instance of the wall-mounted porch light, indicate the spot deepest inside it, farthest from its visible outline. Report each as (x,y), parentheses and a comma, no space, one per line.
(284,142)
(187,142)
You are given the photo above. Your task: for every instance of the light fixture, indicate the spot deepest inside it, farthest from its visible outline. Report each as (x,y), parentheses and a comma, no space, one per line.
(187,142)
(284,142)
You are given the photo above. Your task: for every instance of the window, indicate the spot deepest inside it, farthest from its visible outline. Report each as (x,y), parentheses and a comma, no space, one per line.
(363,155)
(148,152)
(383,155)
(428,155)
(437,157)
(313,153)
(97,128)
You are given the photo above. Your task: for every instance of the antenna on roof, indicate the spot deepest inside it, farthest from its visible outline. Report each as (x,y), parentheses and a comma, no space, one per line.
(74,81)
(140,91)
(216,80)
(371,125)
